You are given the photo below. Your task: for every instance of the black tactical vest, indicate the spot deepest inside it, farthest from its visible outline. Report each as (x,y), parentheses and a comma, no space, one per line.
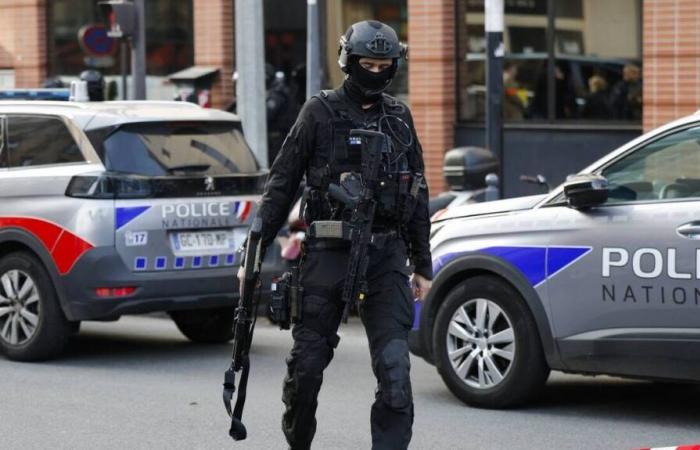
(395,196)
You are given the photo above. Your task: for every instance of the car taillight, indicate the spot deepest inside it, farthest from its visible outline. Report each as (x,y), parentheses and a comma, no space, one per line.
(109,185)
(110,292)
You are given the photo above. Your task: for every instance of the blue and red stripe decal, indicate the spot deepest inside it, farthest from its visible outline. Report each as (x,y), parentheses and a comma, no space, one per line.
(126,214)
(537,264)
(64,247)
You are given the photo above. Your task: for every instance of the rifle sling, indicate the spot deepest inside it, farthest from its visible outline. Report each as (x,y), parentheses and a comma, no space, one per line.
(229,375)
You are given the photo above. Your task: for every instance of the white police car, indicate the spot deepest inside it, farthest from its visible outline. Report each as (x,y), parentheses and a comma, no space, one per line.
(601,276)
(115,208)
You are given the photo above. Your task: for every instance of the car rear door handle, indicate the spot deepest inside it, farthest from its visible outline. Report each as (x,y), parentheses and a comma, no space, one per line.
(689,230)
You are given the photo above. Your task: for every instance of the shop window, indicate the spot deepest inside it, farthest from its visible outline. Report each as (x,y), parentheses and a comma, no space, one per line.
(595,61)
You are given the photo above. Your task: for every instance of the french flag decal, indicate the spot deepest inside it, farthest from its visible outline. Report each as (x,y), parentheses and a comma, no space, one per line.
(243,210)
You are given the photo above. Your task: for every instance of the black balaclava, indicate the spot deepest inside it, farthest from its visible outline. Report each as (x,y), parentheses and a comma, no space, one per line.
(364,86)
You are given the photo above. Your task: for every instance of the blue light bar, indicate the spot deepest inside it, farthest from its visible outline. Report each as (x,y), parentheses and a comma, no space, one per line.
(35,94)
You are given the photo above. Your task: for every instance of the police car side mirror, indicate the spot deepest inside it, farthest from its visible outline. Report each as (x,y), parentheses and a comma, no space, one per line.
(586,191)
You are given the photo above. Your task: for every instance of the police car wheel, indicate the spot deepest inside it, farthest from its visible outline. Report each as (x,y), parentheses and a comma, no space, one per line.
(205,325)
(488,349)
(32,325)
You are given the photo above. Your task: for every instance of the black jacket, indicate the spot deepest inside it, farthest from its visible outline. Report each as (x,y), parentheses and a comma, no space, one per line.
(311,132)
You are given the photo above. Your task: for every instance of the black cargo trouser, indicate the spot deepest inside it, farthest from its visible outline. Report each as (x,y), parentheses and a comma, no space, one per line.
(387,315)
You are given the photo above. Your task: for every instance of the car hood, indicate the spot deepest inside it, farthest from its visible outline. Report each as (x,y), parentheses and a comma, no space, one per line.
(496,207)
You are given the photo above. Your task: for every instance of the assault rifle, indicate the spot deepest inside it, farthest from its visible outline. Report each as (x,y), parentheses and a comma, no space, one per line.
(243,326)
(358,194)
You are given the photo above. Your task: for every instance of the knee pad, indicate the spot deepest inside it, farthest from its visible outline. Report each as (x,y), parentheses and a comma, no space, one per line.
(394,368)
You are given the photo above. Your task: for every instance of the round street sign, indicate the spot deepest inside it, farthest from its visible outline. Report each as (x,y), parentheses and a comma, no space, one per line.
(94,41)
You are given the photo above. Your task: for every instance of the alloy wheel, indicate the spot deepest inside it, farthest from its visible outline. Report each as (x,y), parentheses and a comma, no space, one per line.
(19,307)
(480,343)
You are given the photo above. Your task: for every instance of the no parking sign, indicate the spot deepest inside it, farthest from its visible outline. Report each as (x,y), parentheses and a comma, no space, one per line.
(94,41)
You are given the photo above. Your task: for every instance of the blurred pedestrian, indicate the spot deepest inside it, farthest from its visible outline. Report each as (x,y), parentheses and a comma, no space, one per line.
(513,105)
(564,97)
(597,101)
(95,84)
(626,96)
(282,111)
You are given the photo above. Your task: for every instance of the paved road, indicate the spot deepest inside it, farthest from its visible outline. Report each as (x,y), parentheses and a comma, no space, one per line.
(138,384)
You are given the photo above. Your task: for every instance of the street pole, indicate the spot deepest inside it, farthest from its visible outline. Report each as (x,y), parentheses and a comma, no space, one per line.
(313,50)
(551,63)
(123,63)
(250,87)
(138,53)
(494,83)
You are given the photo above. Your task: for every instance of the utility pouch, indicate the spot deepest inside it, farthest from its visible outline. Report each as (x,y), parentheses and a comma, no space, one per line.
(296,293)
(280,301)
(411,197)
(316,205)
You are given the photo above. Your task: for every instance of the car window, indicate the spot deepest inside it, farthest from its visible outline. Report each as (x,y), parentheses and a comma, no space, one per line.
(175,148)
(37,141)
(667,168)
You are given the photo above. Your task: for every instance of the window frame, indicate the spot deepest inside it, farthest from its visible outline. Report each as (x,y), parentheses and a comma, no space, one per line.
(75,134)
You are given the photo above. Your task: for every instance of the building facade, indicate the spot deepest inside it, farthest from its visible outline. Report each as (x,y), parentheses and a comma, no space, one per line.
(581,76)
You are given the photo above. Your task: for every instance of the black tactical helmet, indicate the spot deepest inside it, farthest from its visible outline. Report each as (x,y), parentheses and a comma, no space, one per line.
(370,39)
(95,84)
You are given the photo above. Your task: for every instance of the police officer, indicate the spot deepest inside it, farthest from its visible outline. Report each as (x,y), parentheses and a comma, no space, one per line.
(95,84)
(316,146)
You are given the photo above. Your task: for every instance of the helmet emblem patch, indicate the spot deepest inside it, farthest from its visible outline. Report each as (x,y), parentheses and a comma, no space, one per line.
(380,44)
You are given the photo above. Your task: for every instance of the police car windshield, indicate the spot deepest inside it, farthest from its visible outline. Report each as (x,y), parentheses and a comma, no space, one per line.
(175,149)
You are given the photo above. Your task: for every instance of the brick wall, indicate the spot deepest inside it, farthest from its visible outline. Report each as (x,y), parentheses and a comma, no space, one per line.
(432,77)
(671,60)
(23,40)
(214,45)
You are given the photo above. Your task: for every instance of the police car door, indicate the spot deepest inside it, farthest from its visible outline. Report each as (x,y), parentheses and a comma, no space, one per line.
(627,299)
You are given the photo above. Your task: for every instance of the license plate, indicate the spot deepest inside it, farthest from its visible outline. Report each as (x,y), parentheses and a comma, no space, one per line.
(203,241)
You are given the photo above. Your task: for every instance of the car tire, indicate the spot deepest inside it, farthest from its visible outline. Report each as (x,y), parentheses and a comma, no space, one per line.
(32,325)
(479,372)
(205,325)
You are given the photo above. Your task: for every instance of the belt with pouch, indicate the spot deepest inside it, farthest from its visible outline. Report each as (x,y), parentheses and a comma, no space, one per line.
(336,234)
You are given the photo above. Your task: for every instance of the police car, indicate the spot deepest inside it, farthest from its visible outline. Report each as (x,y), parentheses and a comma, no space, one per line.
(113,208)
(601,276)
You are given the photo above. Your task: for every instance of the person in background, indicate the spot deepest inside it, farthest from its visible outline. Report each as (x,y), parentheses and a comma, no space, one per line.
(626,95)
(513,106)
(95,84)
(597,104)
(564,98)
(281,108)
